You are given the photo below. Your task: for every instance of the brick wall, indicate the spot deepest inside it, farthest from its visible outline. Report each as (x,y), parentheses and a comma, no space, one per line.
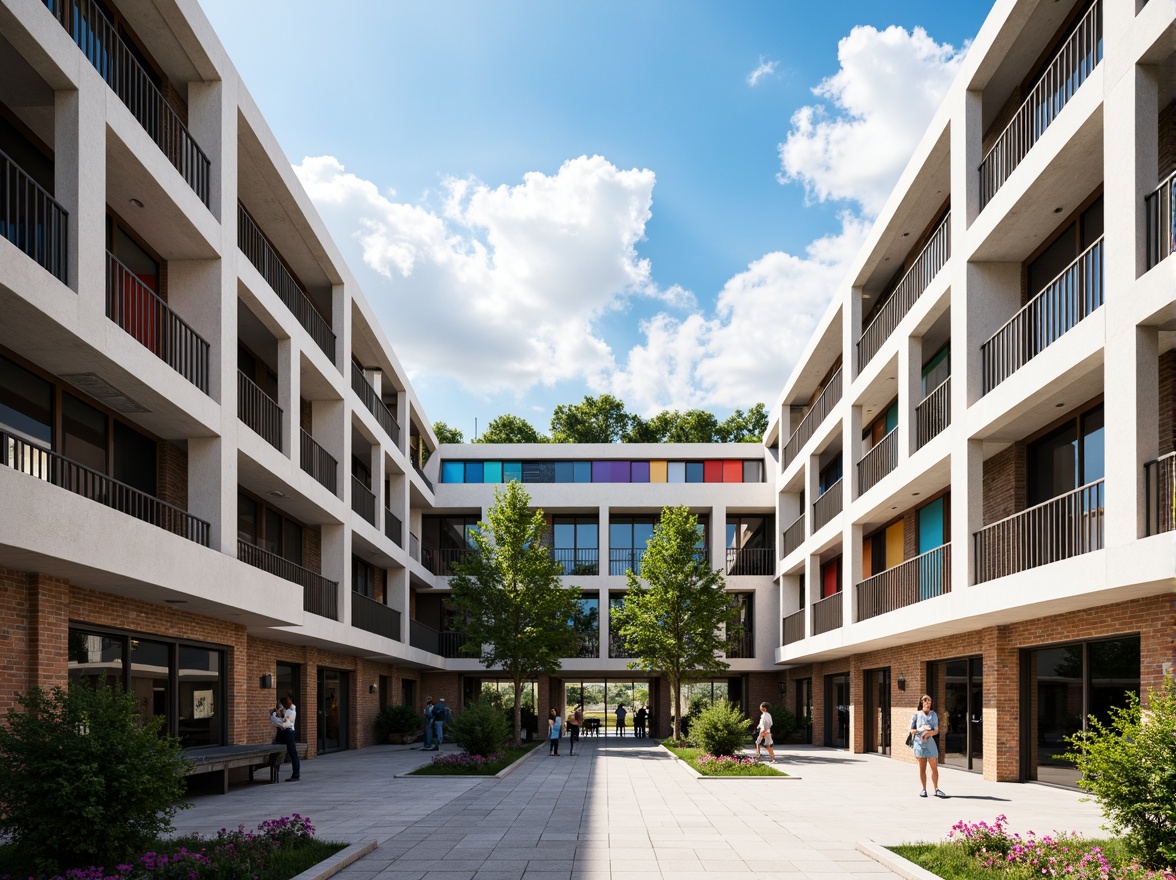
(312,550)
(1167,367)
(14,636)
(1167,139)
(1004,483)
(171,474)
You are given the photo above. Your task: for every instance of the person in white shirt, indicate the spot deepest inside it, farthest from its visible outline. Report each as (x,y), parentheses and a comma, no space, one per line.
(283,719)
(764,733)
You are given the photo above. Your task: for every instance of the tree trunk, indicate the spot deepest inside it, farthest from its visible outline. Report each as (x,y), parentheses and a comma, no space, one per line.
(518,711)
(676,685)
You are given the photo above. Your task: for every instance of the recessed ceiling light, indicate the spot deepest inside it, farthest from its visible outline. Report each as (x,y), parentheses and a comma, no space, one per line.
(1057,210)
(136,203)
(906,235)
(1060,405)
(277,493)
(916,494)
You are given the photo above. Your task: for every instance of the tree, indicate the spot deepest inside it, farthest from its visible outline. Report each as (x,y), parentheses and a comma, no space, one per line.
(693,426)
(740,428)
(595,420)
(679,622)
(510,429)
(513,607)
(446,434)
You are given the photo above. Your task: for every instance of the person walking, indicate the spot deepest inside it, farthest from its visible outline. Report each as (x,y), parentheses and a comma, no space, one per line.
(553,730)
(428,746)
(924,727)
(283,719)
(620,713)
(574,728)
(639,722)
(764,733)
(441,717)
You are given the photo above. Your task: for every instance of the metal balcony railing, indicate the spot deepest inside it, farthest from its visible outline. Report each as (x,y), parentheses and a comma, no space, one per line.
(264,257)
(812,420)
(1060,528)
(793,627)
(793,535)
(367,395)
(32,219)
(827,506)
(918,278)
(581,561)
(104,48)
(393,528)
(423,637)
(259,411)
(440,561)
(827,614)
(1075,61)
(1160,209)
(319,463)
(137,309)
(51,467)
(374,617)
(878,462)
(1065,301)
(421,473)
(414,547)
(622,559)
(363,500)
(933,414)
(319,595)
(923,577)
(754,561)
(1159,477)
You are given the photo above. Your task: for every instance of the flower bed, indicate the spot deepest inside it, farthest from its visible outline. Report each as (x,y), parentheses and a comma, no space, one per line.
(462,764)
(983,851)
(710,765)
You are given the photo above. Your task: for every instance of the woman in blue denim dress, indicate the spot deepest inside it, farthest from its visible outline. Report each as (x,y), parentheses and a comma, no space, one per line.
(924,727)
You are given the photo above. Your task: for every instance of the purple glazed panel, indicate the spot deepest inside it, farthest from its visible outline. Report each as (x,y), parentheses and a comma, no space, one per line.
(640,472)
(602,472)
(620,472)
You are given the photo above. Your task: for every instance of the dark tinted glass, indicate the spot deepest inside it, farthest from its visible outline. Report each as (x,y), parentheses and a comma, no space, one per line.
(26,403)
(83,433)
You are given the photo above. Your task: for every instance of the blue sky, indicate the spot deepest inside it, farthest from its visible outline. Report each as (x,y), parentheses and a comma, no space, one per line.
(546,200)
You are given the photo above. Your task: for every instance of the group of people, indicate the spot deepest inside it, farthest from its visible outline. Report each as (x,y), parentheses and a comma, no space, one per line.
(640,720)
(437,715)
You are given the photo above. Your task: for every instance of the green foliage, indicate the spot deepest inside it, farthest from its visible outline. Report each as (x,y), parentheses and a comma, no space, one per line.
(741,428)
(399,720)
(446,434)
(480,728)
(1129,764)
(454,764)
(510,429)
(783,723)
(514,609)
(720,729)
(681,619)
(595,420)
(699,761)
(83,779)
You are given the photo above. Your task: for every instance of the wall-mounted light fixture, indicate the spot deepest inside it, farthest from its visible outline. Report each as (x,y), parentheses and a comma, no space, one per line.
(901,682)
(267,682)
(783,686)
(372,689)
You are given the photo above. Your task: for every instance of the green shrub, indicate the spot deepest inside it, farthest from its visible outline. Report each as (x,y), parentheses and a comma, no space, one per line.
(720,729)
(783,723)
(480,728)
(694,707)
(1129,764)
(83,779)
(398,720)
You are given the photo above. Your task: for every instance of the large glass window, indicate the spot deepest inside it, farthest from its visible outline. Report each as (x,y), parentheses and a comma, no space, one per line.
(829,475)
(363,578)
(26,403)
(1069,456)
(200,682)
(264,527)
(83,431)
(627,539)
(576,544)
(589,627)
(936,370)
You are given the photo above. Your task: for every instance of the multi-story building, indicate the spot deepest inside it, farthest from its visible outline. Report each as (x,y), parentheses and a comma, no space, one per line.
(205,436)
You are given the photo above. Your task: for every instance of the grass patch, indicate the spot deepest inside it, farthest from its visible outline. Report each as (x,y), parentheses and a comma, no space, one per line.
(692,755)
(286,863)
(470,767)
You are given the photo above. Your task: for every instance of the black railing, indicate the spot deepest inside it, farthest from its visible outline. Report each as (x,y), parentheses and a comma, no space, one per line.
(578,561)
(878,462)
(794,535)
(32,219)
(446,643)
(793,627)
(812,420)
(440,561)
(918,278)
(1060,528)
(259,411)
(319,595)
(1075,61)
(319,463)
(1074,294)
(139,310)
(367,395)
(933,414)
(1159,478)
(100,42)
(827,614)
(264,257)
(753,561)
(44,464)
(923,577)
(374,617)
(827,506)
(363,500)
(622,559)
(1160,209)
(414,547)
(393,528)
(421,473)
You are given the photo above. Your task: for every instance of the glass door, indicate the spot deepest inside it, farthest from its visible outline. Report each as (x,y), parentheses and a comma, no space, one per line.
(877,693)
(958,694)
(333,710)
(804,707)
(837,710)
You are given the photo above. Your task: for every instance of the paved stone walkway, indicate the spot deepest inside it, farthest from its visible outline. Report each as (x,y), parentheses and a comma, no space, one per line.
(622,809)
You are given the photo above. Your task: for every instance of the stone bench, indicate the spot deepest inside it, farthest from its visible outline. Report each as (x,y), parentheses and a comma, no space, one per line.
(222,759)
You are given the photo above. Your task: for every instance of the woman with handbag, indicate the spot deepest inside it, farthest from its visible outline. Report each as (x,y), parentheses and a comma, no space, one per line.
(924,727)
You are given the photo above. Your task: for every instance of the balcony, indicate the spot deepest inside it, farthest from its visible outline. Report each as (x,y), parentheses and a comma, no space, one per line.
(1065,301)
(421,473)
(259,411)
(827,614)
(137,309)
(793,535)
(393,528)
(917,279)
(414,547)
(933,414)
(827,506)
(751,561)
(623,559)
(923,577)
(878,462)
(374,617)
(1075,61)
(104,48)
(367,395)
(32,219)
(1159,478)
(363,500)
(743,648)
(793,628)
(319,463)
(1160,209)
(264,257)
(44,464)
(440,561)
(445,644)
(1066,526)
(319,595)
(579,561)
(812,420)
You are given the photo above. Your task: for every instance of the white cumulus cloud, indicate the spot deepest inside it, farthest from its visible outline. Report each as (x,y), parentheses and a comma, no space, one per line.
(888,88)
(765,68)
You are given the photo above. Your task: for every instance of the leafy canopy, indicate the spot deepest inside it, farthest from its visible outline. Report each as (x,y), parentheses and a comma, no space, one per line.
(446,434)
(594,420)
(510,429)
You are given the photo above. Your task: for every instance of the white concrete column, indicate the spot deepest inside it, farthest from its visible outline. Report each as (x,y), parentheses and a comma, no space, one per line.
(851,571)
(967,511)
(967,139)
(812,491)
(289,396)
(341,326)
(851,454)
(851,332)
(993,295)
(718,538)
(329,421)
(212,488)
(377,468)
(79,181)
(812,590)
(1132,428)
(910,394)
(336,564)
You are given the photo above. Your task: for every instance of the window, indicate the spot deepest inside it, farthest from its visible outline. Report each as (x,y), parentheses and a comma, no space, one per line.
(269,529)
(886,422)
(363,578)
(831,577)
(1067,457)
(882,550)
(749,545)
(589,627)
(937,370)
(576,544)
(627,539)
(26,404)
(1063,250)
(829,474)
